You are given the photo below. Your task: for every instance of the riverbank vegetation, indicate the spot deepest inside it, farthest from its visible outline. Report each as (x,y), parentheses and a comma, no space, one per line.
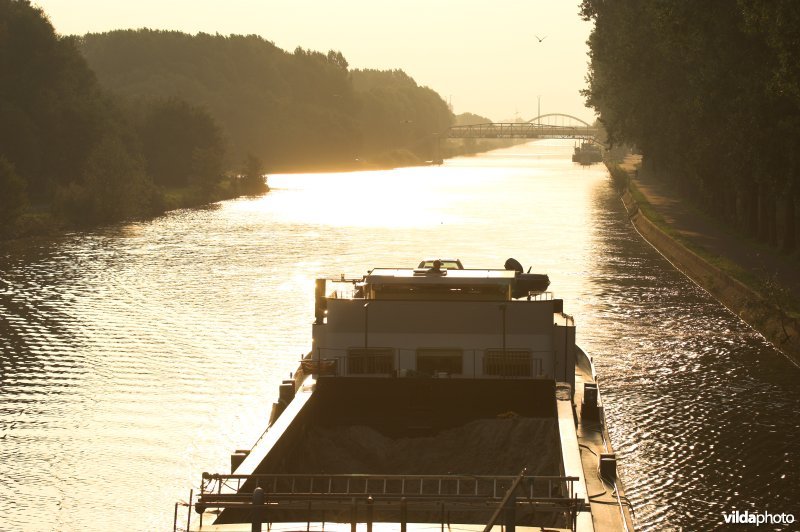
(130,123)
(73,154)
(300,110)
(710,93)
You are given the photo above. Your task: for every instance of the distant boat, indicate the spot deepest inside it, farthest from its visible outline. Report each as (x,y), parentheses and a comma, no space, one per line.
(587,153)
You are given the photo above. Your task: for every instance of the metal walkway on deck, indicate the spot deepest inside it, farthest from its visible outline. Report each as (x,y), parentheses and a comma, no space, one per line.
(354,499)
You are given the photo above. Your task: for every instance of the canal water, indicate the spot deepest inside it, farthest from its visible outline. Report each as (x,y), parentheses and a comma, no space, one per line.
(135,357)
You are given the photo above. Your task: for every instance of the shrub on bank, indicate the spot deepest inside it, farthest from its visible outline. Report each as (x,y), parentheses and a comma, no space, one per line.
(394,158)
(114,187)
(619,177)
(252,180)
(13,199)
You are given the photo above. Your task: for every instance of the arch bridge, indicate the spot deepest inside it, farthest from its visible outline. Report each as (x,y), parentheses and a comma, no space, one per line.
(551,125)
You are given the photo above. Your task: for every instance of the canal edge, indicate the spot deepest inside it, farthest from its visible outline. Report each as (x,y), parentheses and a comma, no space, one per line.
(782,331)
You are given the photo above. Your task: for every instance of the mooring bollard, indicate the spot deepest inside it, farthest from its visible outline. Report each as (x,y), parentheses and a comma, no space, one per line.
(370,502)
(258,509)
(403,514)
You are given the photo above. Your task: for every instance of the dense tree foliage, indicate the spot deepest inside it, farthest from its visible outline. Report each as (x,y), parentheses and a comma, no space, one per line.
(297,109)
(182,144)
(12,193)
(67,145)
(113,186)
(710,92)
(253,180)
(468,119)
(51,111)
(396,113)
(176,119)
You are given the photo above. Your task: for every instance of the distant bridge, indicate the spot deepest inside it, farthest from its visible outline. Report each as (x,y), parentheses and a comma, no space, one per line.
(552,126)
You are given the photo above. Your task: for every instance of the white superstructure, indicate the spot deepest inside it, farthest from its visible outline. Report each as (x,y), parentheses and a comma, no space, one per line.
(459,323)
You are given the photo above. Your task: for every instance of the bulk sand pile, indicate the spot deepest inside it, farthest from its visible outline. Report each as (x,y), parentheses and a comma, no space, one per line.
(500,446)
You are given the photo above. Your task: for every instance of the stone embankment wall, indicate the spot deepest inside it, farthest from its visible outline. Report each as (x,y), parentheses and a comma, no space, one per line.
(762,314)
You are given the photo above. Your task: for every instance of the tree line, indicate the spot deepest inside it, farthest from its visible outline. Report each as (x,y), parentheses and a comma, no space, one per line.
(129,123)
(710,94)
(295,110)
(73,152)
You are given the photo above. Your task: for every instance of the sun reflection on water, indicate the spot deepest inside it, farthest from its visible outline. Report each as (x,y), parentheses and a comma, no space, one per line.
(399,198)
(134,357)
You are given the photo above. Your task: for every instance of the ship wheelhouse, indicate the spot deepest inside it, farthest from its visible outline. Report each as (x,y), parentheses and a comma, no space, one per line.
(442,323)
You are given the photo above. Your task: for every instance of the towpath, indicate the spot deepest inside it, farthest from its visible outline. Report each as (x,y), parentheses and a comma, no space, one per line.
(700,230)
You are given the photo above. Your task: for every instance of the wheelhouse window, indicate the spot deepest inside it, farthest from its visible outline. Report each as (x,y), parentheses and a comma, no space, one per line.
(446,292)
(510,363)
(370,361)
(434,361)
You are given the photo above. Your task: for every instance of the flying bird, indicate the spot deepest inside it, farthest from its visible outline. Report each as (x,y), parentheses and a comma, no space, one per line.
(540,39)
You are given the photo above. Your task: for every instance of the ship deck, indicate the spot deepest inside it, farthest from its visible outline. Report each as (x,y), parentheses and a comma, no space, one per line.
(581,445)
(609,506)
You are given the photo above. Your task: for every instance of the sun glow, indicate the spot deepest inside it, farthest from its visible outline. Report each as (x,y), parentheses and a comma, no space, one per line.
(380,198)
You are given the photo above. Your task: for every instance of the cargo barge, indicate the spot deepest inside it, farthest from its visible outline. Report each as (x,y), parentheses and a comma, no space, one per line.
(433,397)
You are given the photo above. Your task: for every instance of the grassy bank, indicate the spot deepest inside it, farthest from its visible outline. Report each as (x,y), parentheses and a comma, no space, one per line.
(762,303)
(750,279)
(620,177)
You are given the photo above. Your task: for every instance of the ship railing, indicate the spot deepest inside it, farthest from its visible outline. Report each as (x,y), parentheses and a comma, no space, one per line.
(344,293)
(351,292)
(491,363)
(286,497)
(346,289)
(349,484)
(540,296)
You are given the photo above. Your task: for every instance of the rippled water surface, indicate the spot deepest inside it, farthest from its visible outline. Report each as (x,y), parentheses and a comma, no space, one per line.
(132,358)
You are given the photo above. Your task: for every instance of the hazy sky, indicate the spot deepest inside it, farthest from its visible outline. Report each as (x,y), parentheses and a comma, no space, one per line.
(482,54)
